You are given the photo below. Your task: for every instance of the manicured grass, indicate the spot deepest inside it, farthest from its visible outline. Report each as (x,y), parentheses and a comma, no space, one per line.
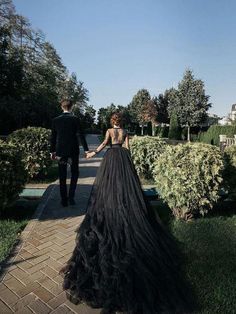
(209,245)
(12,222)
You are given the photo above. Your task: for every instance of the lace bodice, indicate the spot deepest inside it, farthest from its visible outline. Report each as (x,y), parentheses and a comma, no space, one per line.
(114,136)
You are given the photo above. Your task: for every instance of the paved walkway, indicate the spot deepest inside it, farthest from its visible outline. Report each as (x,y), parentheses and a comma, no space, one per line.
(31,283)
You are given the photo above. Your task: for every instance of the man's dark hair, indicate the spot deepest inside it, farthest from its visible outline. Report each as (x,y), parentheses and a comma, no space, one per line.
(66,104)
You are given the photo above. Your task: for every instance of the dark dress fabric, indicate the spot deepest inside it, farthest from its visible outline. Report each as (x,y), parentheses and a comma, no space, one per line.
(124,259)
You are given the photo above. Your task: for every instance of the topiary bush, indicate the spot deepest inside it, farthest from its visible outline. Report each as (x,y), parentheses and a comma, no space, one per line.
(13,174)
(189,177)
(34,143)
(230,170)
(144,151)
(174,128)
(211,136)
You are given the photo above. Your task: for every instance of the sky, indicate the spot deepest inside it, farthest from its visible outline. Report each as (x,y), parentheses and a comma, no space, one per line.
(117,47)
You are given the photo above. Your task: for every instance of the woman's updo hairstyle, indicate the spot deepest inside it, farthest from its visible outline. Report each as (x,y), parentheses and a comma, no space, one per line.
(116,119)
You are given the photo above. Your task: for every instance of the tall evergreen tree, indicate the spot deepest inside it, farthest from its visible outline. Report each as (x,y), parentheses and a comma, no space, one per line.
(189,102)
(174,129)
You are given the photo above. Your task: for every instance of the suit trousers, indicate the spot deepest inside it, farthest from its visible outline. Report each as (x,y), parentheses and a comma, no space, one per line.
(74,165)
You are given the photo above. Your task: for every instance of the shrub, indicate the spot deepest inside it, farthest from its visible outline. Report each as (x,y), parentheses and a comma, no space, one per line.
(211,136)
(174,129)
(13,174)
(230,170)
(145,150)
(34,143)
(162,131)
(188,178)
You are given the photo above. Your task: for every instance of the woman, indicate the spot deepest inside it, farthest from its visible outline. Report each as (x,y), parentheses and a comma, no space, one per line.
(124,260)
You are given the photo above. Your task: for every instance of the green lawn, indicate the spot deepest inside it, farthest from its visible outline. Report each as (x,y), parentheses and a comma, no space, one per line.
(12,222)
(209,245)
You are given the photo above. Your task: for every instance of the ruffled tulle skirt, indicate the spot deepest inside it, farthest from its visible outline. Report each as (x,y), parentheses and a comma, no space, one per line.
(124,259)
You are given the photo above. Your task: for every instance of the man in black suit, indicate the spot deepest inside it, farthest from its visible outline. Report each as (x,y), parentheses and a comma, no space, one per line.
(65,148)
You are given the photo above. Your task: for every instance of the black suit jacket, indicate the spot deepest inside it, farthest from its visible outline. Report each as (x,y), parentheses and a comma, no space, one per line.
(66,132)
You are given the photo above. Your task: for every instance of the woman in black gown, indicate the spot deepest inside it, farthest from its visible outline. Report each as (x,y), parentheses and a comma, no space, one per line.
(124,259)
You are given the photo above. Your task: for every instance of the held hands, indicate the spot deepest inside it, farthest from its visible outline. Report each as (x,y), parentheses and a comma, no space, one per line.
(90,154)
(53,156)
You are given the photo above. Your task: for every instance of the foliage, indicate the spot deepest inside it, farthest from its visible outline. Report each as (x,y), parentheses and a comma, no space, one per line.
(149,114)
(174,129)
(188,178)
(13,174)
(33,78)
(145,150)
(162,102)
(104,115)
(34,143)
(162,131)
(137,105)
(230,170)
(86,114)
(212,135)
(190,102)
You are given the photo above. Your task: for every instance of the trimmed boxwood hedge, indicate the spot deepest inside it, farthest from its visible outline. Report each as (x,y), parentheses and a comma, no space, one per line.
(34,143)
(189,178)
(144,151)
(211,136)
(230,170)
(13,174)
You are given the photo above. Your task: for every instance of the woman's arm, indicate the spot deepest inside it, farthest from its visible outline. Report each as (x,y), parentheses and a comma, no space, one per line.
(127,141)
(101,146)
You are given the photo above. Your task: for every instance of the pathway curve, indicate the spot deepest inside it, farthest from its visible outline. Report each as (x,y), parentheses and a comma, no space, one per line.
(31,283)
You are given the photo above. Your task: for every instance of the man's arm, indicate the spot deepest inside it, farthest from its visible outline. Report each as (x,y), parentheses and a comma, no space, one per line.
(80,133)
(53,141)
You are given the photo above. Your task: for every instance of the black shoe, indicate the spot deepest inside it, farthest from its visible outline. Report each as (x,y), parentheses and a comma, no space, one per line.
(73,299)
(72,201)
(106,311)
(64,203)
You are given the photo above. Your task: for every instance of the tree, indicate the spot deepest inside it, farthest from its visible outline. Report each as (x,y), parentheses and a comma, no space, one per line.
(162,108)
(174,129)
(104,115)
(86,114)
(137,105)
(149,114)
(33,78)
(189,102)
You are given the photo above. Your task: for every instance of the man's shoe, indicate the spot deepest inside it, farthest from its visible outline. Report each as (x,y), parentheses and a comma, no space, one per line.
(64,203)
(72,201)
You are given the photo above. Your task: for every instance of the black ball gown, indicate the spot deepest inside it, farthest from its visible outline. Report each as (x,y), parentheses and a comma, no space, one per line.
(124,259)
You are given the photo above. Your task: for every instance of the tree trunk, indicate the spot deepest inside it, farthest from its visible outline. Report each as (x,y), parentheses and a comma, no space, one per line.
(189,139)
(142,127)
(153,129)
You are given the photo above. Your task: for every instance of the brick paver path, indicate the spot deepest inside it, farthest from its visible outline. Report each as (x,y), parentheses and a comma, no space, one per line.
(31,283)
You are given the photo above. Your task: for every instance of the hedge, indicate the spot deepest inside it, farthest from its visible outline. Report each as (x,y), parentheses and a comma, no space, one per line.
(13,174)
(211,136)
(34,143)
(230,170)
(189,177)
(144,151)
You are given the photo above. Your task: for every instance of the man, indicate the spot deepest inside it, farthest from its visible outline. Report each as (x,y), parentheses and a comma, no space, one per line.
(65,148)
